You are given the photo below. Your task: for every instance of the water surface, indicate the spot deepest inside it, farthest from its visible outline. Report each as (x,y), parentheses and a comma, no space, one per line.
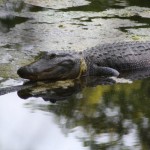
(109,117)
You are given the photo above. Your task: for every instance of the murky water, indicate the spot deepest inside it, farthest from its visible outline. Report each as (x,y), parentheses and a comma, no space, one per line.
(96,115)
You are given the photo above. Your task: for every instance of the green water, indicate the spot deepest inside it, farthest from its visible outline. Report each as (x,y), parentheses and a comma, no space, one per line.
(100,117)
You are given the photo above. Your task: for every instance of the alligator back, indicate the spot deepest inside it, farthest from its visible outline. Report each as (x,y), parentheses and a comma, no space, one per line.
(121,56)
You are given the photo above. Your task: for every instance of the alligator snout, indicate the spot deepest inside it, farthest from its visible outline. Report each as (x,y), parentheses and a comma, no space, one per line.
(25,72)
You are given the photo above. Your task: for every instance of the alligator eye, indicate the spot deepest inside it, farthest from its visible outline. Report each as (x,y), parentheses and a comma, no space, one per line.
(53,55)
(67,63)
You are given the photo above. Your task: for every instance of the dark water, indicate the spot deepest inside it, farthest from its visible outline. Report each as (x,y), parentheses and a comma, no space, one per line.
(100,5)
(93,117)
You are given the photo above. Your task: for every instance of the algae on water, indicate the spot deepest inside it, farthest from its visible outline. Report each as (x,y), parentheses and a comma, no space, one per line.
(29,27)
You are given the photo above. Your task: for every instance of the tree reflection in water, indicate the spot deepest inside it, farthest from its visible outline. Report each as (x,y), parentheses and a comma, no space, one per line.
(112,116)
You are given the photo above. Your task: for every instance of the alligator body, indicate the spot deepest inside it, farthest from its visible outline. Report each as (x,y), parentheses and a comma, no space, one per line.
(102,60)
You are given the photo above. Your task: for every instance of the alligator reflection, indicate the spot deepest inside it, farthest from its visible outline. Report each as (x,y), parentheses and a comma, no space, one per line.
(120,112)
(63,90)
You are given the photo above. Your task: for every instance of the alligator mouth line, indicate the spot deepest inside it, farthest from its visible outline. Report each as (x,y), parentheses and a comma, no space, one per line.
(50,71)
(82,71)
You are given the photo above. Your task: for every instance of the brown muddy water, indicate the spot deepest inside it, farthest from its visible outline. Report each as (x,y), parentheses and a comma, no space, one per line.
(92,115)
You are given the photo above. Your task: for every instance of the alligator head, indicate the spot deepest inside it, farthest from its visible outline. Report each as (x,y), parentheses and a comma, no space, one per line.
(54,66)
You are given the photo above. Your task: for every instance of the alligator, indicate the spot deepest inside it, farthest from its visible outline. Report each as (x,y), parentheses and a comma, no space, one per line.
(64,90)
(108,59)
(60,90)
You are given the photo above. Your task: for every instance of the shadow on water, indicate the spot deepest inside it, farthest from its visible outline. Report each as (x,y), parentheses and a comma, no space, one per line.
(96,6)
(143,3)
(8,21)
(101,5)
(135,18)
(20,6)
